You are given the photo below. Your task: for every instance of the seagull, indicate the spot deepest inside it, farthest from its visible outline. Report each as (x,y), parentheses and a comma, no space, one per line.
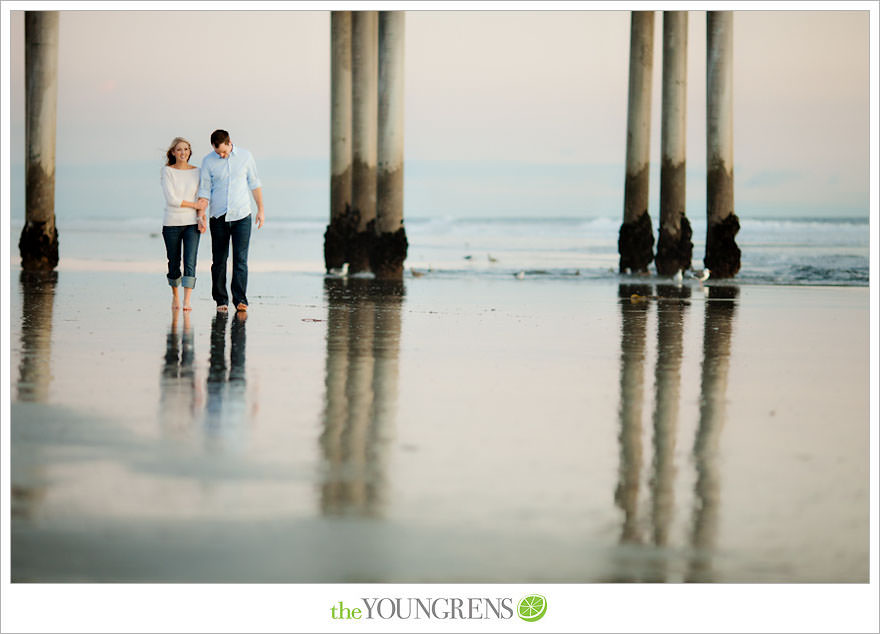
(341,271)
(520,276)
(677,277)
(491,259)
(416,273)
(702,276)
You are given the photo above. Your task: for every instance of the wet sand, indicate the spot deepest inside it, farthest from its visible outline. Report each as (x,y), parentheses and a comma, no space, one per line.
(349,431)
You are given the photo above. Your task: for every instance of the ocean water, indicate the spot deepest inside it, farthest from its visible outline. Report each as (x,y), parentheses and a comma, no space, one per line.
(810,251)
(462,219)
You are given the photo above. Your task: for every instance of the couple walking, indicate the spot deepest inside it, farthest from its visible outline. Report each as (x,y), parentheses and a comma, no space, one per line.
(217,195)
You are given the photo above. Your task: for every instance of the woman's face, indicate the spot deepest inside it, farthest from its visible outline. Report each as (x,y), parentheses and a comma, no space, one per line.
(182,152)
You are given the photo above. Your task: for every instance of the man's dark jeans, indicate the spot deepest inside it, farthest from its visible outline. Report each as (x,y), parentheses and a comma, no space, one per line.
(239,233)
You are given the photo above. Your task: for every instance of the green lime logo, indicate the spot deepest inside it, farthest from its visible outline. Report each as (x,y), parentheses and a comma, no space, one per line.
(532,607)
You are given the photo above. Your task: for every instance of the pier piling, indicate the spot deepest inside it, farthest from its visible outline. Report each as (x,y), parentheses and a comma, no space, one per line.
(722,254)
(636,241)
(674,246)
(38,244)
(365,78)
(390,245)
(342,225)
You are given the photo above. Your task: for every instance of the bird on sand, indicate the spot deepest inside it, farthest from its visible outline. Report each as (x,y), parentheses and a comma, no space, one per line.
(416,273)
(491,259)
(341,271)
(520,276)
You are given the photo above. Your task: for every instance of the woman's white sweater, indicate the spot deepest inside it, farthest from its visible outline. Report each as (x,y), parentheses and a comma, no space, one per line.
(179,185)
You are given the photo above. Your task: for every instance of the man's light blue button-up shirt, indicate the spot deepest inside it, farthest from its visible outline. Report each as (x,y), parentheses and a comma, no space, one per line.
(227,183)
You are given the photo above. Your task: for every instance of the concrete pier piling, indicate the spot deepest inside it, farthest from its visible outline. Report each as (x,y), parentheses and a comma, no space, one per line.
(342,225)
(38,244)
(636,240)
(722,254)
(365,79)
(674,246)
(390,245)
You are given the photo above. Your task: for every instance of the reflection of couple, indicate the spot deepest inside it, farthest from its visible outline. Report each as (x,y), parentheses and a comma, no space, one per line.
(180,397)
(222,188)
(181,394)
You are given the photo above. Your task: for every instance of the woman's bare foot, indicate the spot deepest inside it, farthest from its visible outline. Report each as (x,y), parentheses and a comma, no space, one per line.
(187,308)
(175,299)
(242,307)
(222,308)
(187,293)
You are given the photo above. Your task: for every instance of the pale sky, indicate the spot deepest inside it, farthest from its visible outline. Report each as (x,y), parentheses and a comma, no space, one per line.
(533,86)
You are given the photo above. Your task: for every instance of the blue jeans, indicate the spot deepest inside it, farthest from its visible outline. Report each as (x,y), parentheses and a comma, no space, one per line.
(187,237)
(222,233)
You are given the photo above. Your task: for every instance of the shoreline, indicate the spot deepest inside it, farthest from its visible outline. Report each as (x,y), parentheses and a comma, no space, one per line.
(425,270)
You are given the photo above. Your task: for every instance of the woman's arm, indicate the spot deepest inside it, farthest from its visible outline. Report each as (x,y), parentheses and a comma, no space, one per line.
(170,197)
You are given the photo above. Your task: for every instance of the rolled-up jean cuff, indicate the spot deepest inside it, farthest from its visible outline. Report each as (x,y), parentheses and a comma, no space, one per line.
(188,281)
(173,282)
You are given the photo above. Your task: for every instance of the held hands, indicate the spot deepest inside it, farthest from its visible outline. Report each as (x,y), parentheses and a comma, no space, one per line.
(201,204)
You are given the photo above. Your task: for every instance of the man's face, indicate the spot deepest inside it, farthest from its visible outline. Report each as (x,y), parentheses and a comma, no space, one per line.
(223,149)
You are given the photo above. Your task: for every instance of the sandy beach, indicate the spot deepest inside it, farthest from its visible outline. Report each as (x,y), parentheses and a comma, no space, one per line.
(348,431)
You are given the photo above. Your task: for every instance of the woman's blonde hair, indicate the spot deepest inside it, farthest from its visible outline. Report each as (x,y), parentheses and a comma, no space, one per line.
(170,153)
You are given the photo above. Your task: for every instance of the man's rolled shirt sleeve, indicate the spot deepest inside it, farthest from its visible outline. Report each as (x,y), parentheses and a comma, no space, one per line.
(205,182)
(253,180)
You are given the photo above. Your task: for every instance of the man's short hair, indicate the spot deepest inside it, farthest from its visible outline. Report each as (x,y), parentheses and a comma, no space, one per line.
(219,137)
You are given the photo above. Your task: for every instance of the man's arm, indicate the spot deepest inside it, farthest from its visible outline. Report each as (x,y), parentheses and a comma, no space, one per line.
(204,192)
(258,197)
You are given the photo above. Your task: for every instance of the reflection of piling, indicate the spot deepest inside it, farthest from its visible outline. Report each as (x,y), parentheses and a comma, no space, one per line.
(386,351)
(341,228)
(335,379)
(389,249)
(722,254)
(717,331)
(674,246)
(38,244)
(34,370)
(346,425)
(636,241)
(671,308)
(361,393)
(634,316)
(365,77)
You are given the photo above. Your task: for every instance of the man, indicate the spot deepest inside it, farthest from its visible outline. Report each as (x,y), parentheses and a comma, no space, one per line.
(227,174)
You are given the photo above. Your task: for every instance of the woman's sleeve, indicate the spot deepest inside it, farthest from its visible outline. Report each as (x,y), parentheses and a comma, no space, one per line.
(170,197)
(195,191)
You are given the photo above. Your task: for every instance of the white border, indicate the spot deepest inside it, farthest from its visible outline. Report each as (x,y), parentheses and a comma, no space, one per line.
(572,607)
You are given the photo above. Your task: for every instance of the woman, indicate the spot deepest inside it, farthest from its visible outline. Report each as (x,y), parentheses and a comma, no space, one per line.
(183,220)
